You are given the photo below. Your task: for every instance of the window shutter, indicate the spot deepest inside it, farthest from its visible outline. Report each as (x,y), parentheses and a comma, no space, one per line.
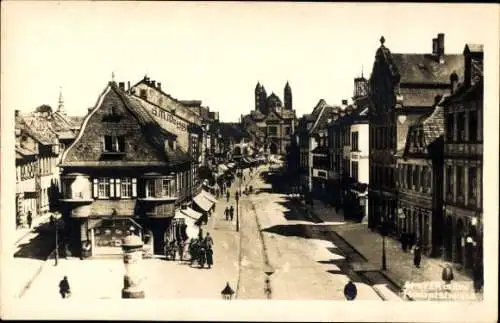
(111,187)
(134,187)
(118,188)
(96,191)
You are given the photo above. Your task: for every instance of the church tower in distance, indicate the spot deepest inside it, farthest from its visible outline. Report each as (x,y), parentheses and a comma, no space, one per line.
(288,97)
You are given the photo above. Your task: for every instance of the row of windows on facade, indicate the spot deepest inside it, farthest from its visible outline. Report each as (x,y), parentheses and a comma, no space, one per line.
(273,130)
(343,139)
(456,176)
(47,166)
(419,178)
(117,144)
(105,187)
(463,126)
(383,137)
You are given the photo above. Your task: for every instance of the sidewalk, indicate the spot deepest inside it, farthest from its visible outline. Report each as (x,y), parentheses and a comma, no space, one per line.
(400,267)
(22,233)
(94,279)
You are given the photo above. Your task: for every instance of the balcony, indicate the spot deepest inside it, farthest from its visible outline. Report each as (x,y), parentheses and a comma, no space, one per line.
(154,199)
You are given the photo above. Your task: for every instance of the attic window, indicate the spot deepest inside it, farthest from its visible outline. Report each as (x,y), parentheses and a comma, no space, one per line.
(113,144)
(112,115)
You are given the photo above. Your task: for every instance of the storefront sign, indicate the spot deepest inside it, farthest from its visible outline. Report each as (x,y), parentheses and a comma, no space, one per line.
(110,232)
(170,118)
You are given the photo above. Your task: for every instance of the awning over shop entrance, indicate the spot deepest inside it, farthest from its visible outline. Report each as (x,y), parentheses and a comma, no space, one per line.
(189,212)
(204,203)
(209,196)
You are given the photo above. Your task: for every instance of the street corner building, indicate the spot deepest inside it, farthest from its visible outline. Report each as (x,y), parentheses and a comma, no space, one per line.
(132,165)
(403,87)
(426,149)
(41,137)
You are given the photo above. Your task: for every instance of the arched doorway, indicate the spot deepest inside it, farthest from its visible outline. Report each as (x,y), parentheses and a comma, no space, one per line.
(448,243)
(273,148)
(459,242)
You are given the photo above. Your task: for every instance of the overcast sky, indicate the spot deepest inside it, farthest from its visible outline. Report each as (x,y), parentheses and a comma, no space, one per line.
(214,52)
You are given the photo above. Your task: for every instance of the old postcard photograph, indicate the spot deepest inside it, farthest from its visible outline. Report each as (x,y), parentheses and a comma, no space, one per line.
(249,161)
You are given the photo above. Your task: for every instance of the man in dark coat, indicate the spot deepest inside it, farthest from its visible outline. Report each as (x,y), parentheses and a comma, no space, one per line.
(231,212)
(417,256)
(404,241)
(30,219)
(209,254)
(227,196)
(226,213)
(64,289)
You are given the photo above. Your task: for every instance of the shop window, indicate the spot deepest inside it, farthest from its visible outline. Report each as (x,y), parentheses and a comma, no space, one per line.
(272,131)
(354,141)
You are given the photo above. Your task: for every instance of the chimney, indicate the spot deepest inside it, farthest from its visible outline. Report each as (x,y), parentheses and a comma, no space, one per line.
(435,46)
(121,86)
(440,47)
(16,113)
(128,86)
(153,83)
(159,86)
(174,145)
(453,82)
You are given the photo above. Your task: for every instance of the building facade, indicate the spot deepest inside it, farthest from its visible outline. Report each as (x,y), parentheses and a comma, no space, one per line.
(403,87)
(463,170)
(41,137)
(420,182)
(274,121)
(129,169)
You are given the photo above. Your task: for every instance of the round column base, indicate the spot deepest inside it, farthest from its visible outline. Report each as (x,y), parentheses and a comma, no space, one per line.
(126,293)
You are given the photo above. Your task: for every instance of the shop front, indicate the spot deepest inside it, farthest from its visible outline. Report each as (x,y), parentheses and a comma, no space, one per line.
(106,234)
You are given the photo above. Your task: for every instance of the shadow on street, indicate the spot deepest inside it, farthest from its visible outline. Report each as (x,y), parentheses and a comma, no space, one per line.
(40,246)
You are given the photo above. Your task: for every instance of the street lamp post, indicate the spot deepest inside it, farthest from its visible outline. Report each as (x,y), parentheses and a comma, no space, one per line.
(237,212)
(383,231)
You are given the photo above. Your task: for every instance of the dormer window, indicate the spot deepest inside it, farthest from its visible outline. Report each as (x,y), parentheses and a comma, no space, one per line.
(114,144)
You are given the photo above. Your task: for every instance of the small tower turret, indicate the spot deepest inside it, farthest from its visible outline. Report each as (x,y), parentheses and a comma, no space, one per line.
(288,97)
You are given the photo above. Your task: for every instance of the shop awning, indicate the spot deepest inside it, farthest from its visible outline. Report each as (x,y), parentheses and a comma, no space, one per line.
(189,212)
(209,196)
(204,203)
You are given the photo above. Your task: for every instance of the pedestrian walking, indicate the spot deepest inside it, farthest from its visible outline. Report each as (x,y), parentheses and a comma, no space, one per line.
(404,241)
(209,255)
(231,212)
(226,213)
(208,241)
(30,219)
(411,241)
(417,256)
(64,289)
(227,196)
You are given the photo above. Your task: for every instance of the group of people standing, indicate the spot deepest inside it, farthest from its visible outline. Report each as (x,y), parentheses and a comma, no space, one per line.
(229,213)
(409,241)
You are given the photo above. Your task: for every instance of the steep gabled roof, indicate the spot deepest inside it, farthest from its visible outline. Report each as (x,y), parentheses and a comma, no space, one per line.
(154,133)
(426,68)
(324,112)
